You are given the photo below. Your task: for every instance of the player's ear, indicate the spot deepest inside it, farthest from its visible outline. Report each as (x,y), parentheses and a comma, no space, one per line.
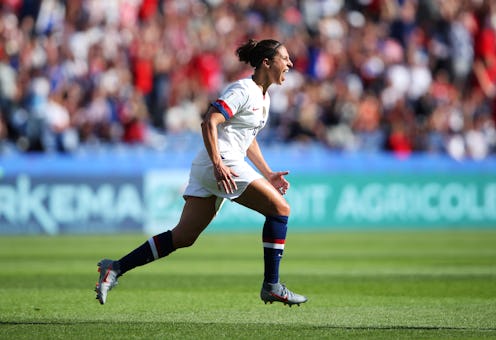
(266,62)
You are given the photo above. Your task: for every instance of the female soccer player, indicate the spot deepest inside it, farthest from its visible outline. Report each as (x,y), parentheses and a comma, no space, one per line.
(220,171)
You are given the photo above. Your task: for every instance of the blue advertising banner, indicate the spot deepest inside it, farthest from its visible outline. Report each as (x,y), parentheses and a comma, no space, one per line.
(138,192)
(55,205)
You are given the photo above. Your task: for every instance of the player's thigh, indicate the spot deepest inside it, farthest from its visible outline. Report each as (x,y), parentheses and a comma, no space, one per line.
(261,196)
(197,214)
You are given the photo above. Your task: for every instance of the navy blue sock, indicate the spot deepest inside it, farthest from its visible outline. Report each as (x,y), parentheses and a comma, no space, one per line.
(274,238)
(156,247)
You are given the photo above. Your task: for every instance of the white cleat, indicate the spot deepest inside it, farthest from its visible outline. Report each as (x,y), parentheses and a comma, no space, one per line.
(106,281)
(277,292)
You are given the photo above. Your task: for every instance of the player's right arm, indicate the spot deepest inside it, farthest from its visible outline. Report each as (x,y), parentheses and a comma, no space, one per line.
(223,173)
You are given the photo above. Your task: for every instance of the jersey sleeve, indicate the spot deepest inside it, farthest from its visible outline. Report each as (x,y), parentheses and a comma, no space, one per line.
(231,100)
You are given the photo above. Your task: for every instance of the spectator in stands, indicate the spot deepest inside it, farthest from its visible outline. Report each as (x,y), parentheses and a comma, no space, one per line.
(58,132)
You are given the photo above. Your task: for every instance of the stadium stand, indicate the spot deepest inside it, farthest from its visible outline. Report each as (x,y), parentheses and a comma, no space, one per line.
(399,76)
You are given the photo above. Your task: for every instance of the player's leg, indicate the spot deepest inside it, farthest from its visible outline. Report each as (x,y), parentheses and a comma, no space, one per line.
(261,196)
(196,215)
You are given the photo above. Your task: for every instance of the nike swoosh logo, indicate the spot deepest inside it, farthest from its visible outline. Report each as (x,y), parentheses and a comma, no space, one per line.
(282,298)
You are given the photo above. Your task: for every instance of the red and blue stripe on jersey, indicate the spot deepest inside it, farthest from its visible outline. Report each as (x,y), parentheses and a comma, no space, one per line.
(223,108)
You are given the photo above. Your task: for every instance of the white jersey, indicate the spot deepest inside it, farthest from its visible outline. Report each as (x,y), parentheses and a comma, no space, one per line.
(246,110)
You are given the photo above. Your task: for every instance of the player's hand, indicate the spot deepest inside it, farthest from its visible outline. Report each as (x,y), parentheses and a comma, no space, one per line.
(225,178)
(279,182)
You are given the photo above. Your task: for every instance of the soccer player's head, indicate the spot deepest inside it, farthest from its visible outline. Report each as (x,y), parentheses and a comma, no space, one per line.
(269,55)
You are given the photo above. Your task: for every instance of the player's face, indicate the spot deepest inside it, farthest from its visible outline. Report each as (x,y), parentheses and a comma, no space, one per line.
(281,63)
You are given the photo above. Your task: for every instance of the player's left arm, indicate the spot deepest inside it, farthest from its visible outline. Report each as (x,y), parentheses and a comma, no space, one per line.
(276,178)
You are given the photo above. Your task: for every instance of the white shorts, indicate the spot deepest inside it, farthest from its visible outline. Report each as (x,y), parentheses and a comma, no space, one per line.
(202,182)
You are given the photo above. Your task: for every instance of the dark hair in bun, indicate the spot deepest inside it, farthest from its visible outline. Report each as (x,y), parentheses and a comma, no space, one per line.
(254,52)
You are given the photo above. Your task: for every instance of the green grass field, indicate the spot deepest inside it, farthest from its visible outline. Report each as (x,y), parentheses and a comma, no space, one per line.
(374,285)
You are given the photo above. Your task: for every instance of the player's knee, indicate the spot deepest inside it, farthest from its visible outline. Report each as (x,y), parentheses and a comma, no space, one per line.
(283,208)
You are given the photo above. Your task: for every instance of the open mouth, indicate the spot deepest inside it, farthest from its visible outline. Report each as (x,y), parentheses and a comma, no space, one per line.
(283,74)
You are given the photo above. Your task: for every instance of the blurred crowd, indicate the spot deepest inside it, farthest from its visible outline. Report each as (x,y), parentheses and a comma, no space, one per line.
(400,76)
